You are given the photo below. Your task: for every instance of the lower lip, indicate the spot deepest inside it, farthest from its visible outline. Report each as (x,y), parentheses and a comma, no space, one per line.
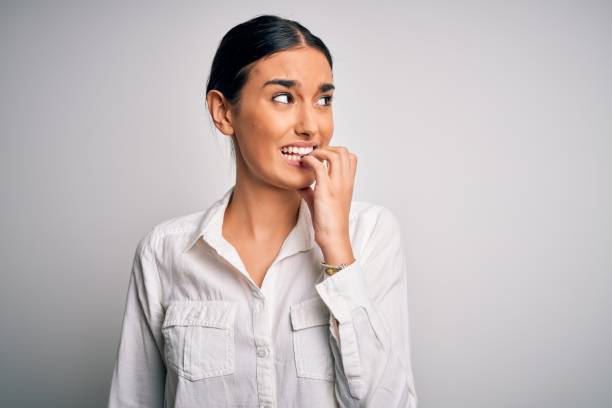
(293,163)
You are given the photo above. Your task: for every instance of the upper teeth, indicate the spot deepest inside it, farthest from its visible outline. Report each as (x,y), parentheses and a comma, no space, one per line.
(297,150)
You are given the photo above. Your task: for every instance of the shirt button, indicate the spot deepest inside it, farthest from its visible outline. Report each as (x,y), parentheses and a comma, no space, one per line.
(262,351)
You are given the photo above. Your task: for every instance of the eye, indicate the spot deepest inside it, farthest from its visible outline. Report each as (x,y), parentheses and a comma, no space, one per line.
(329,99)
(283,94)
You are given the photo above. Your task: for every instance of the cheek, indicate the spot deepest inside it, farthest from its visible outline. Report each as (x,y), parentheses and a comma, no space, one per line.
(269,126)
(327,129)
(254,133)
(261,138)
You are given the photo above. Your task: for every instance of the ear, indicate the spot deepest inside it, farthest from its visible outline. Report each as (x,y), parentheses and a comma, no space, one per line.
(220,112)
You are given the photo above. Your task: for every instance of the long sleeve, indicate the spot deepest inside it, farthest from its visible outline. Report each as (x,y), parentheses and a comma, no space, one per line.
(369,322)
(139,374)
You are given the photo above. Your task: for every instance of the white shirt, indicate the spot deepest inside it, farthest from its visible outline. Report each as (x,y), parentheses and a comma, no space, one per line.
(198,332)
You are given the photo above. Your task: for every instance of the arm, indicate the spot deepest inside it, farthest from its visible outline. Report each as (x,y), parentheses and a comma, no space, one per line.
(139,374)
(369,322)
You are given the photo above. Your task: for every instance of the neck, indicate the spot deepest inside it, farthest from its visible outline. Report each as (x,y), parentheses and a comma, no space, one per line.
(260,213)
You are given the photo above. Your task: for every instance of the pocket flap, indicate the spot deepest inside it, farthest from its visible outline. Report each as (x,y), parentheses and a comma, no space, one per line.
(311,312)
(210,313)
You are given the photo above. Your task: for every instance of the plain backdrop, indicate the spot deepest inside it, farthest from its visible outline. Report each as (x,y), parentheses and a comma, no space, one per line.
(485,126)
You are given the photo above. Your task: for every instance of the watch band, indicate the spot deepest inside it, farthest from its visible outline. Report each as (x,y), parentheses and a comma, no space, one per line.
(332,269)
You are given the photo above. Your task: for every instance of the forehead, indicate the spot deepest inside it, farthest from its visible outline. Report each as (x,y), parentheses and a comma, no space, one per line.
(306,65)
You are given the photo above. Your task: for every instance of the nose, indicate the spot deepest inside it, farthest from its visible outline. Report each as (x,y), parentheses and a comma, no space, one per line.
(306,123)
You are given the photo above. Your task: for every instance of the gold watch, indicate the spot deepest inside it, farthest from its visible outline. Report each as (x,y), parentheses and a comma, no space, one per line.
(332,269)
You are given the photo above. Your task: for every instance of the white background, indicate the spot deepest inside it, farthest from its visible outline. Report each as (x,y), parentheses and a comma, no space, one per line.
(485,126)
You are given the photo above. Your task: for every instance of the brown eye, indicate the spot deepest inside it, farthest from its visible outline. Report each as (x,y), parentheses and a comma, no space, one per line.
(329,99)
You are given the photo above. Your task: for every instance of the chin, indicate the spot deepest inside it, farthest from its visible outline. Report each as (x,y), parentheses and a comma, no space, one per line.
(297,182)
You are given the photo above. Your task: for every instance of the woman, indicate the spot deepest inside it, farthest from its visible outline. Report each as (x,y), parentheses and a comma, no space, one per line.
(232,306)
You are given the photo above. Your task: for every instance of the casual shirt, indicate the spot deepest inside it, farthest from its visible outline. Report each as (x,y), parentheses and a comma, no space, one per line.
(198,332)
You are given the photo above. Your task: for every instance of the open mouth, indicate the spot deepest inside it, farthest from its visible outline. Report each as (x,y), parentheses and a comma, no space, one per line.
(296,153)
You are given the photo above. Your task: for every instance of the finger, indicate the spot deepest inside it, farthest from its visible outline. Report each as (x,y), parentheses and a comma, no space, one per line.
(345,159)
(343,154)
(353,159)
(348,158)
(333,160)
(318,167)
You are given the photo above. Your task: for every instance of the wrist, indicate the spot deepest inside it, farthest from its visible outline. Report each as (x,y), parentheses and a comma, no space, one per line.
(338,254)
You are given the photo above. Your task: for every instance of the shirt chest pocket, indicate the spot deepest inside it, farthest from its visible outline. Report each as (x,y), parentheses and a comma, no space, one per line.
(199,338)
(311,336)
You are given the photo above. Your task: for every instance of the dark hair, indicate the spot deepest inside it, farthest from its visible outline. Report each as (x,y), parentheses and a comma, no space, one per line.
(250,41)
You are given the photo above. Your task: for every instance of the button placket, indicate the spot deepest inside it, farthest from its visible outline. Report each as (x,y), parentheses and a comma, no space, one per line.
(266,379)
(263,351)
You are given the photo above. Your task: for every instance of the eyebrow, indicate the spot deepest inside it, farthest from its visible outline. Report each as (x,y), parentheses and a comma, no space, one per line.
(291,83)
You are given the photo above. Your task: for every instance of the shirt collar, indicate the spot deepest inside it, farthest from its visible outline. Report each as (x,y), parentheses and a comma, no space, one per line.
(209,228)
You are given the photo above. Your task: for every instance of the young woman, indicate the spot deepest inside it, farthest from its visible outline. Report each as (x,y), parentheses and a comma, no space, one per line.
(278,294)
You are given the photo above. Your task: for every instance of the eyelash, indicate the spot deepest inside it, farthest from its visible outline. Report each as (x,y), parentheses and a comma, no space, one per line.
(329,98)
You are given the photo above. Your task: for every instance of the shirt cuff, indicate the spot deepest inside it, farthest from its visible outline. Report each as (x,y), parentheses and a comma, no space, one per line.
(344,291)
